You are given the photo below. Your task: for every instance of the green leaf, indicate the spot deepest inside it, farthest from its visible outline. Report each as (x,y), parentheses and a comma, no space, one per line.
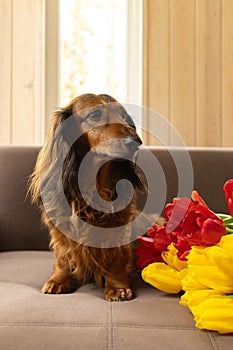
(227,221)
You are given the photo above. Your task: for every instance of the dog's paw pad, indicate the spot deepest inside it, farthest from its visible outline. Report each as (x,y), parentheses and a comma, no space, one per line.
(118,294)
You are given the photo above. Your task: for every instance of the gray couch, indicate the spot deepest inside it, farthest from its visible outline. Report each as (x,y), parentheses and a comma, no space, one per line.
(84,320)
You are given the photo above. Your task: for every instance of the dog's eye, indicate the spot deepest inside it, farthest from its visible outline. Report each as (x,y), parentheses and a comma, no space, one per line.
(95,115)
(128,119)
(124,115)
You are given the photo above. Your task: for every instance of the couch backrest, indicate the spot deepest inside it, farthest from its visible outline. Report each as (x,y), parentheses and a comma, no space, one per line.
(20,224)
(212,167)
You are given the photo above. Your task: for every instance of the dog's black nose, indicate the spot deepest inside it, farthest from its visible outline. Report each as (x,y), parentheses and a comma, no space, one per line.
(132,142)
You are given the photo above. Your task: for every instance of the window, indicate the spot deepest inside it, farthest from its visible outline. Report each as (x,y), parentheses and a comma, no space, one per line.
(97,38)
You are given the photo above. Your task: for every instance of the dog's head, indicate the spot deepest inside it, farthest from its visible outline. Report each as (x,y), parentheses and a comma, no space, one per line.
(102,125)
(99,125)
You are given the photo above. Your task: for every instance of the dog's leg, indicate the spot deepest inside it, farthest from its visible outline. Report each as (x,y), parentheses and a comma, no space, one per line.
(62,280)
(118,262)
(117,287)
(60,283)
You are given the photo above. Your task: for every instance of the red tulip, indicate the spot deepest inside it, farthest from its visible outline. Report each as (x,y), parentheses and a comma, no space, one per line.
(200,226)
(190,223)
(182,246)
(160,237)
(174,213)
(146,252)
(228,189)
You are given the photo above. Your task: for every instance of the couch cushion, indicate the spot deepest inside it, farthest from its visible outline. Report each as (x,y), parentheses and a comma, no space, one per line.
(84,320)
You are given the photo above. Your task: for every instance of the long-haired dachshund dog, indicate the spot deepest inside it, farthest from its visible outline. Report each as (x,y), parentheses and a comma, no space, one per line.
(99,120)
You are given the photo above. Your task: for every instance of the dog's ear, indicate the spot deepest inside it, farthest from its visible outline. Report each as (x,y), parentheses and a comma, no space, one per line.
(65,127)
(71,139)
(61,115)
(56,156)
(58,135)
(59,154)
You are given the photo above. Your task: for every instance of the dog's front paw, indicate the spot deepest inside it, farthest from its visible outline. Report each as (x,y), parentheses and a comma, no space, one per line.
(118,294)
(61,287)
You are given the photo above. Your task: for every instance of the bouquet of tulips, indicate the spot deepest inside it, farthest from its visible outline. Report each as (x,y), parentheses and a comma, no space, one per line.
(195,257)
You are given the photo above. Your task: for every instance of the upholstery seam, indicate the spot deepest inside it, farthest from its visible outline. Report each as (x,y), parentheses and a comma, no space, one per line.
(213,341)
(112,328)
(156,327)
(109,327)
(51,325)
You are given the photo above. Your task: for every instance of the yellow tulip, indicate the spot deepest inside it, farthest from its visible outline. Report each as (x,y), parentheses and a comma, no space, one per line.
(226,243)
(213,278)
(215,313)
(192,298)
(202,270)
(222,258)
(196,256)
(189,282)
(170,257)
(163,277)
(209,277)
(166,276)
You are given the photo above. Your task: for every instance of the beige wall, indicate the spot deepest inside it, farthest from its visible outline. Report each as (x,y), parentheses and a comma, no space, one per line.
(21,71)
(188,67)
(28,70)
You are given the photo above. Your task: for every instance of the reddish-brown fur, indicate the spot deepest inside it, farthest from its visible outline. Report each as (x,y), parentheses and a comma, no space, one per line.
(78,263)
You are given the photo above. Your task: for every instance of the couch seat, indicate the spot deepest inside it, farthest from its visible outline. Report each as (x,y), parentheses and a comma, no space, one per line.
(84,320)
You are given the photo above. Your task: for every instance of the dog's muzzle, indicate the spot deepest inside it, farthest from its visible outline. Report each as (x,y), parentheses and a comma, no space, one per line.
(132,143)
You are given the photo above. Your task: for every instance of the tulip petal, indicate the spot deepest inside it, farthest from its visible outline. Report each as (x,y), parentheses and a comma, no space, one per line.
(189,282)
(161,239)
(228,189)
(170,257)
(215,313)
(212,231)
(146,241)
(222,259)
(203,271)
(192,298)
(162,277)
(197,257)
(213,278)
(175,212)
(226,243)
